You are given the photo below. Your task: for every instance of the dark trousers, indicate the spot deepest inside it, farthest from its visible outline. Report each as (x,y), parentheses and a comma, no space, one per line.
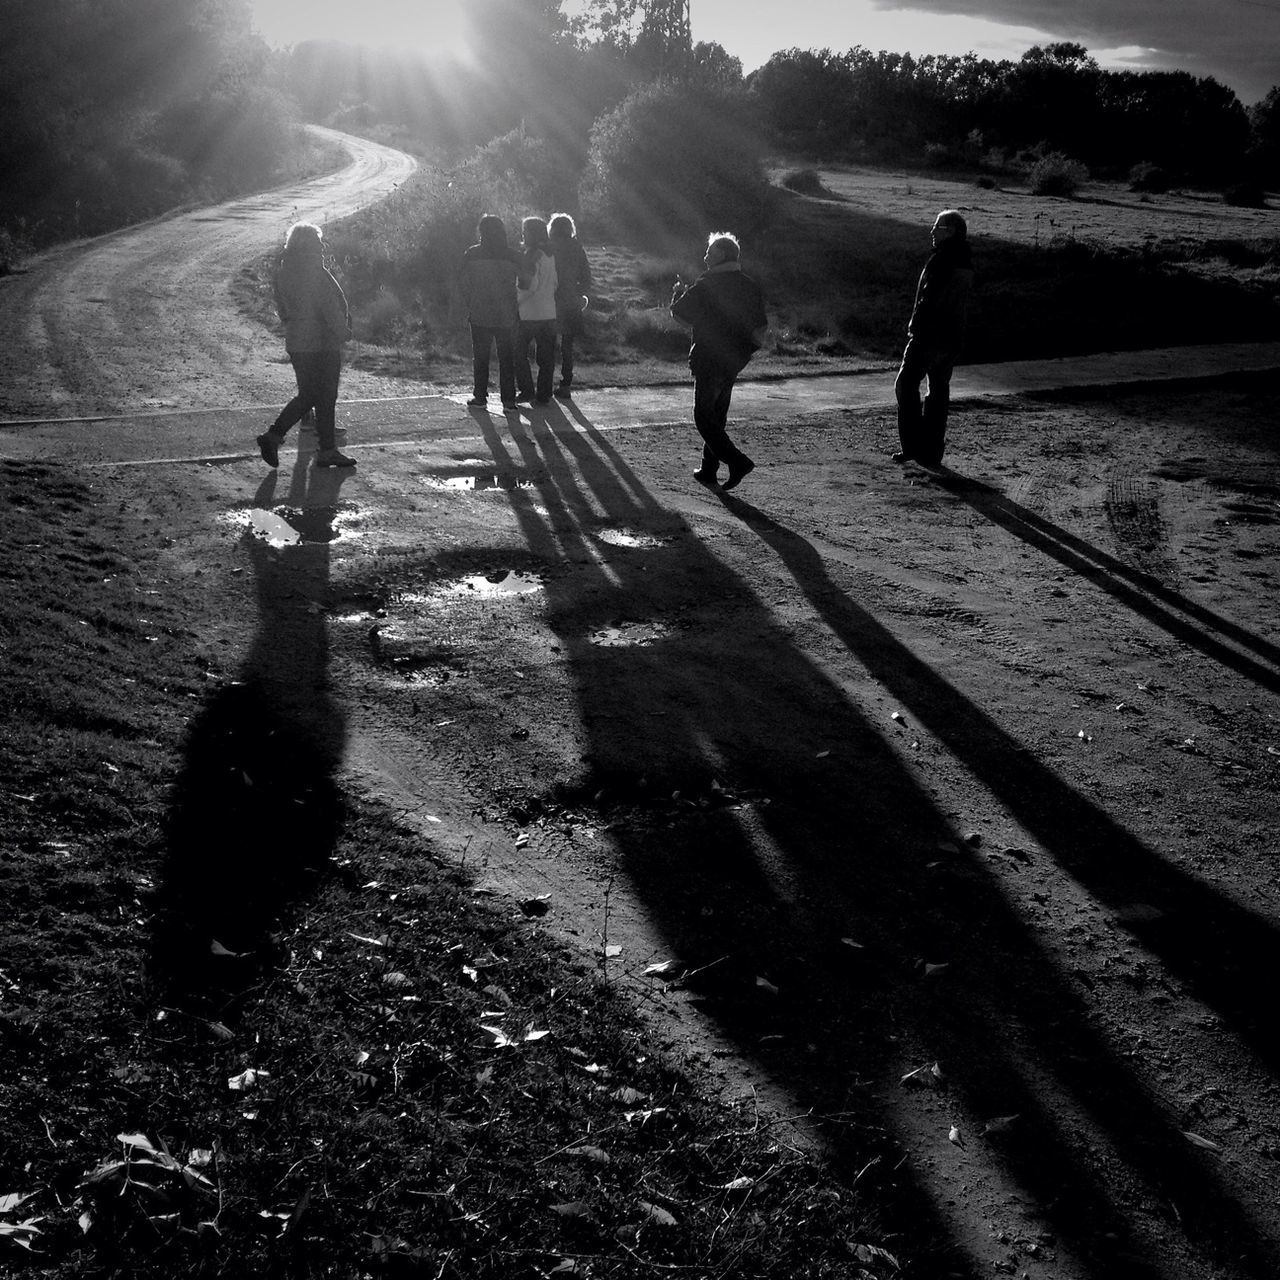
(483,338)
(712,390)
(317,373)
(922,427)
(542,335)
(566,358)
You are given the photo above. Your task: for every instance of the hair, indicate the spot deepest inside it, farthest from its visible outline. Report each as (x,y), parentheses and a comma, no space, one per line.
(954,219)
(304,238)
(492,231)
(562,226)
(533,231)
(727,243)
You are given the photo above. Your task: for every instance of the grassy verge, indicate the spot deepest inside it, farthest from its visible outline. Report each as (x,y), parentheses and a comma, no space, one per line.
(370,1071)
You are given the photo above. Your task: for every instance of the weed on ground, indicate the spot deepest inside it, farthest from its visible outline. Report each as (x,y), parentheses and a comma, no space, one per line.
(368,1069)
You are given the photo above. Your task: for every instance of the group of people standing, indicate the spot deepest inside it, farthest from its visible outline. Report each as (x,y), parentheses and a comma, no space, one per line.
(520,298)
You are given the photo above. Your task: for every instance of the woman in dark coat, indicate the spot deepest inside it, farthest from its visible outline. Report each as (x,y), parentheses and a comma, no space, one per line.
(317,322)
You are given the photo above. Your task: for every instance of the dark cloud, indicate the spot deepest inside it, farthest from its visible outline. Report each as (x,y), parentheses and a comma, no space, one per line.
(1235,41)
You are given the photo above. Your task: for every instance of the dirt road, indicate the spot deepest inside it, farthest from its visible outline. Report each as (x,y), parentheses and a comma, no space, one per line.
(952,794)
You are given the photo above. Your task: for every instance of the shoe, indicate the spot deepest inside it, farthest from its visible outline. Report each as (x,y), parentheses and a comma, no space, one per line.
(900,456)
(478,402)
(269,447)
(510,406)
(738,474)
(523,397)
(541,399)
(706,477)
(332,458)
(563,393)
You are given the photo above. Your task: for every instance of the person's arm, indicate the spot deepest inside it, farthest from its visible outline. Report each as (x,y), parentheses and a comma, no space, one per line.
(334,310)
(684,301)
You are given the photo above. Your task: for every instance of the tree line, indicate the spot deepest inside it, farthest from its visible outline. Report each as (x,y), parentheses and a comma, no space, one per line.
(118,109)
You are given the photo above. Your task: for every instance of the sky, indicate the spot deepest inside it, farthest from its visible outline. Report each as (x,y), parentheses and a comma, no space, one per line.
(1235,41)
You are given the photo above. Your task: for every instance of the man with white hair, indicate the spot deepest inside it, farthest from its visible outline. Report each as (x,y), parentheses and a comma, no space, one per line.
(933,342)
(725,309)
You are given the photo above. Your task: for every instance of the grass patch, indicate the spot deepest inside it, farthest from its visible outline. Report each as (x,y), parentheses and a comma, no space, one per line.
(252,1026)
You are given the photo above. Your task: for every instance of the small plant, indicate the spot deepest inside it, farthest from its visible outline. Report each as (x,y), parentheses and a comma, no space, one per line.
(1150,178)
(1056,174)
(805,182)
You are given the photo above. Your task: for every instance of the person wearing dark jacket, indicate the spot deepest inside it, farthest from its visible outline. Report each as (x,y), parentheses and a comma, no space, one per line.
(725,309)
(313,308)
(573,290)
(933,341)
(490,271)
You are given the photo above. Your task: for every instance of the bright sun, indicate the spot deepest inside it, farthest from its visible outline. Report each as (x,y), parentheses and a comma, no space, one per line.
(432,27)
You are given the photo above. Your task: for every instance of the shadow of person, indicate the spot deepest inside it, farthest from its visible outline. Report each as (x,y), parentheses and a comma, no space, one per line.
(761,819)
(256,810)
(1219,638)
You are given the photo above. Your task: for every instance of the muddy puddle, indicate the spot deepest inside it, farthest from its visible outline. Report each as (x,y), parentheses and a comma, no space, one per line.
(631,538)
(629,634)
(476,483)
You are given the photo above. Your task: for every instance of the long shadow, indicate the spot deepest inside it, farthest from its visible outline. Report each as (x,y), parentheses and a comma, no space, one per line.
(762,818)
(1145,594)
(1210,941)
(256,811)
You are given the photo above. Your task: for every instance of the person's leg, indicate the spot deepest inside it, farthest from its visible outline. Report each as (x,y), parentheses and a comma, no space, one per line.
(505,338)
(933,433)
(712,390)
(906,390)
(328,371)
(545,349)
(566,358)
(525,331)
(481,341)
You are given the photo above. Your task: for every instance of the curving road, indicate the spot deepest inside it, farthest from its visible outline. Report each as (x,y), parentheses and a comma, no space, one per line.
(144,318)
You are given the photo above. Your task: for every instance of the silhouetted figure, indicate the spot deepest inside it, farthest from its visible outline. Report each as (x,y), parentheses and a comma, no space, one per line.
(573,290)
(934,334)
(536,296)
(489,274)
(316,320)
(725,309)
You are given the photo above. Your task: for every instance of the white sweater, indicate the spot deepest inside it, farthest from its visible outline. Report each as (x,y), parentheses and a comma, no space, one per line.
(538,301)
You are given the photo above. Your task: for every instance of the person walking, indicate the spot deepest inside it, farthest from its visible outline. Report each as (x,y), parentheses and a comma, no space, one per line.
(725,309)
(934,334)
(573,293)
(537,300)
(490,269)
(317,322)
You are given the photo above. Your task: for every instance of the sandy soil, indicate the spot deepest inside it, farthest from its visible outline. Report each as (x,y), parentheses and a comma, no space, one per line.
(951,795)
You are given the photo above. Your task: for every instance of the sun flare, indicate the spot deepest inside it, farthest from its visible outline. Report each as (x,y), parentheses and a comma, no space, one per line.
(436,29)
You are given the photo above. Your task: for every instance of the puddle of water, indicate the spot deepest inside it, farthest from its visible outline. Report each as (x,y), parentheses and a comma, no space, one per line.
(471,483)
(506,582)
(627,634)
(630,538)
(274,530)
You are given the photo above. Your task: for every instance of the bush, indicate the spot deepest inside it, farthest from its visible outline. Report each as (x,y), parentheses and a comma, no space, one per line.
(14,247)
(1056,174)
(1149,177)
(675,158)
(805,182)
(1246,195)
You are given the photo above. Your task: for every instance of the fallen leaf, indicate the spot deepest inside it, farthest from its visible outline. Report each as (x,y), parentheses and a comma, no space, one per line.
(956,1136)
(1197,1141)
(1000,1124)
(849,942)
(216,948)
(612,951)
(373,942)
(657,1215)
(8,1203)
(765,985)
(21,1233)
(395,979)
(628,1096)
(932,970)
(595,1154)
(572,1209)
(248,1079)
(822,755)
(738,1184)
(664,969)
